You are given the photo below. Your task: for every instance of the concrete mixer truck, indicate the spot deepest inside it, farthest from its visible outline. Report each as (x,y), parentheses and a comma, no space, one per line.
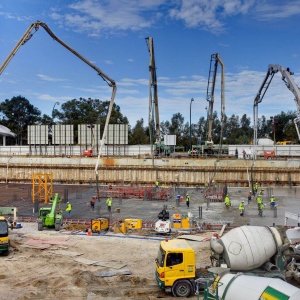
(255,250)
(229,286)
(260,250)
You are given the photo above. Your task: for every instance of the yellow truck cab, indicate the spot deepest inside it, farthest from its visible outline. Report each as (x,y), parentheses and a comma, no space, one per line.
(4,238)
(176,267)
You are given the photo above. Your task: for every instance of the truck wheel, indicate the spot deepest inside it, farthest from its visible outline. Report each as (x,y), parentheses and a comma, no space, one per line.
(182,288)
(40,226)
(57,226)
(5,252)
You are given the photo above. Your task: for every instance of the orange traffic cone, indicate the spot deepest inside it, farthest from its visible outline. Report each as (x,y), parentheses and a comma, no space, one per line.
(89,232)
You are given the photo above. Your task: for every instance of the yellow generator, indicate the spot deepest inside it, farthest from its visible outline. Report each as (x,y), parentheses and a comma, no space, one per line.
(181,221)
(99,225)
(133,223)
(177,221)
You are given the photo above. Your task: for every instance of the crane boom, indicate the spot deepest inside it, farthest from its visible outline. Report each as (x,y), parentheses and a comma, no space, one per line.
(33,28)
(290,84)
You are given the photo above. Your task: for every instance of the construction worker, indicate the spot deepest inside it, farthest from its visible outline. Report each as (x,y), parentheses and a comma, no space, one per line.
(255,188)
(261,192)
(277,180)
(261,209)
(69,209)
(272,201)
(92,203)
(242,208)
(249,196)
(187,200)
(258,200)
(227,202)
(109,204)
(156,183)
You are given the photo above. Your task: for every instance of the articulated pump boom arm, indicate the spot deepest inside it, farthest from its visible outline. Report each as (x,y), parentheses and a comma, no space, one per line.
(33,28)
(153,96)
(290,84)
(215,58)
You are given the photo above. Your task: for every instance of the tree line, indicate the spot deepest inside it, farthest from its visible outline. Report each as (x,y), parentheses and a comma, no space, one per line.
(17,113)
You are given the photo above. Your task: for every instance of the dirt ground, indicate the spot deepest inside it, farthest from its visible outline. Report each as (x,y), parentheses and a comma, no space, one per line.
(72,265)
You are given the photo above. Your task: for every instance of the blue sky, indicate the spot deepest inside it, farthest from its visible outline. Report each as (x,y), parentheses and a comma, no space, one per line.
(249,35)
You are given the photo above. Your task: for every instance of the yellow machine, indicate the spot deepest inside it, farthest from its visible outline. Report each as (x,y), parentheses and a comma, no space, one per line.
(99,225)
(176,268)
(4,237)
(128,224)
(181,221)
(133,223)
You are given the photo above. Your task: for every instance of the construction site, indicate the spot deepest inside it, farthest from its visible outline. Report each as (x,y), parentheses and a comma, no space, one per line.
(103,226)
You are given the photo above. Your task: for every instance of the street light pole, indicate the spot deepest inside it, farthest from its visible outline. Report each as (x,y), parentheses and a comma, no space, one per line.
(191,124)
(56,103)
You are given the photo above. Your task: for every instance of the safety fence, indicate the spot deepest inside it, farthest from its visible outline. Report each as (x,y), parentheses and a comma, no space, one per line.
(214,194)
(135,192)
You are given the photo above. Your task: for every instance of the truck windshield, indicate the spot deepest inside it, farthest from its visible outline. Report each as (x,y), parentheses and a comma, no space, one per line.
(3,228)
(160,257)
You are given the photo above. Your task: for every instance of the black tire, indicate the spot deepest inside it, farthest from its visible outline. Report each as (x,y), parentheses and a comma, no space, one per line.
(182,288)
(5,252)
(57,226)
(40,226)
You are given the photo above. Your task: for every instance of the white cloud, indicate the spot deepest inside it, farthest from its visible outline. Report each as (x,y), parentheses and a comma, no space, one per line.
(48,78)
(272,11)
(95,18)
(209,15)
(108,62)
(47,97)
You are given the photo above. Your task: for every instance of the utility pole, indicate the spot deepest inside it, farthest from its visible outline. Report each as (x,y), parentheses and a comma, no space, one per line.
(191,124)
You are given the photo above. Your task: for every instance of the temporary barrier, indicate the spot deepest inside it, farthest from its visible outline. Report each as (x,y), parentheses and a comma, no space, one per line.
(137,192)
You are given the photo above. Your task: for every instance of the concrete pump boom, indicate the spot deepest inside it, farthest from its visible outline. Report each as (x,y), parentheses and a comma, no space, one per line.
(153,97)
(33,28)
(210,94)
(290,84)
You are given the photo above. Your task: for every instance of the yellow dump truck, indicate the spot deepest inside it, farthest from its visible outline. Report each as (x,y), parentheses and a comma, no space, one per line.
(176,270)
(4,237)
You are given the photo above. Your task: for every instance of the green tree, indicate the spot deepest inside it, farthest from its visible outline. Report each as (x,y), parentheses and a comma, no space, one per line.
(88,111)
(17,113)
(200,130)
(138,134)
(284,127)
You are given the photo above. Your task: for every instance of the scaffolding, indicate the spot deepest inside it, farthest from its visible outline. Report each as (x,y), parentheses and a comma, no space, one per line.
(42,187)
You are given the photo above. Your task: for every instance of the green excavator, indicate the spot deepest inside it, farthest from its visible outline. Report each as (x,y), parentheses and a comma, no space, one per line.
(51,216)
